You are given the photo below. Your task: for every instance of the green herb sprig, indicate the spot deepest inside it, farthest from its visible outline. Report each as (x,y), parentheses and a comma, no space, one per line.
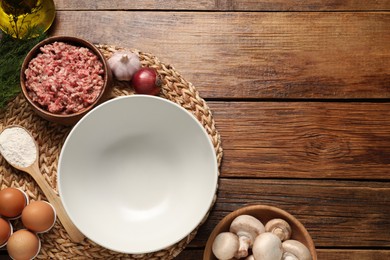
(12,53)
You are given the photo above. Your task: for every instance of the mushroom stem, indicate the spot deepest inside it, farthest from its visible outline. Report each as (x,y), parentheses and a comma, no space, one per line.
(245,243)
(247,229)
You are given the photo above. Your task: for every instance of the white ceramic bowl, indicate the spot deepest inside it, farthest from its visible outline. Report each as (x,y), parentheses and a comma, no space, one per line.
(137,174)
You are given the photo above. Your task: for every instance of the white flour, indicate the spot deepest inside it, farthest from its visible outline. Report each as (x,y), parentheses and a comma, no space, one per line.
(18,147)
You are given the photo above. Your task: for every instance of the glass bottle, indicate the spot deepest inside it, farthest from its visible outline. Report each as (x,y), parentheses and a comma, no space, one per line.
(24,18)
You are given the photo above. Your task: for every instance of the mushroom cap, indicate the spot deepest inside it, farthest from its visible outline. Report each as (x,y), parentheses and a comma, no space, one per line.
(296,248)
(247,225)
(289,256)
(267,246)
(279,227)
(225,245)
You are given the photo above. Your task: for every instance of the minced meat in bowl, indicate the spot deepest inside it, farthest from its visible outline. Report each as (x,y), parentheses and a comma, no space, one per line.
(64,77)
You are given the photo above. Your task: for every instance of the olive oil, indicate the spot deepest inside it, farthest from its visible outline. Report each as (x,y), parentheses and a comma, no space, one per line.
(18,17)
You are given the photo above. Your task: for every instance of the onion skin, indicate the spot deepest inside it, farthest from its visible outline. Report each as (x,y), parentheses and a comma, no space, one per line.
(147,81)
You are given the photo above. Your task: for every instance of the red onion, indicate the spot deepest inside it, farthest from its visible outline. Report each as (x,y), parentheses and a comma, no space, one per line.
(147,81)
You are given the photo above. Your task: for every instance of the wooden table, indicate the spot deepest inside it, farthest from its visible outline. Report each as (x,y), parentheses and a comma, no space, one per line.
(300,92)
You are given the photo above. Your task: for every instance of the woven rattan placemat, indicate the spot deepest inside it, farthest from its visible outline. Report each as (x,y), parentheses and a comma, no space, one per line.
(50,137)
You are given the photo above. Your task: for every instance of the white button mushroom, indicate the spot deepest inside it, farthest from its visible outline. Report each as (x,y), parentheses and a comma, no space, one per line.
(251,257)
(279,227)
(225,246)
(295,250)
(247,229)
(267,246)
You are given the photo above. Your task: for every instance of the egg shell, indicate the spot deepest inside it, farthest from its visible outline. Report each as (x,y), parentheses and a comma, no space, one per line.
(23,245)
(5,231)
(39,216)
(12,202)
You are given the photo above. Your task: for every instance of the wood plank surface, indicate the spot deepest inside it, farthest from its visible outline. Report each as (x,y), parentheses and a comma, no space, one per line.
(337,214)
(304,139)
(300,93)
(225,5)
(281,55)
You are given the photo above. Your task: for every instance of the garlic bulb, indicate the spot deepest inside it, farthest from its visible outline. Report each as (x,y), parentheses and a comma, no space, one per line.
(124,64)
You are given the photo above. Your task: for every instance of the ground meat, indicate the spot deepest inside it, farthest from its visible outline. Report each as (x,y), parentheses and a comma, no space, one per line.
(64,79)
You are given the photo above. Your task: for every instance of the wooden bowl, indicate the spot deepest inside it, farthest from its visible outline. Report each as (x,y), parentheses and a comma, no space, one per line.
(66,119)
(264,213)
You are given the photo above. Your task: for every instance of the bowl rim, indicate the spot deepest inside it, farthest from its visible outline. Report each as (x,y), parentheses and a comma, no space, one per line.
(249,210)
(76,41)
(215,172)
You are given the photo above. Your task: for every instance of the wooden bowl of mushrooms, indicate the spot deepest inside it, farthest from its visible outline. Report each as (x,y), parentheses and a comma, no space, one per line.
(260,232)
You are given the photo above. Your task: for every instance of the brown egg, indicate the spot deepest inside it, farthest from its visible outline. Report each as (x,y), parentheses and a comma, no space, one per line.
(5,231)
(12,202)
(23,245)
(38,216)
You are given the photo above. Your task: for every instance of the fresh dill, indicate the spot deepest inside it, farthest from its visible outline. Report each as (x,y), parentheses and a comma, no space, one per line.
(12,53)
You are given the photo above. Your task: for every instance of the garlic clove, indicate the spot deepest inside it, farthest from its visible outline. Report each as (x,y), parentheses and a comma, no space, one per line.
(135,64)
(124,64)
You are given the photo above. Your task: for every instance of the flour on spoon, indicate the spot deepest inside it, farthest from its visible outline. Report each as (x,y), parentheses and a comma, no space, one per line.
(18,147)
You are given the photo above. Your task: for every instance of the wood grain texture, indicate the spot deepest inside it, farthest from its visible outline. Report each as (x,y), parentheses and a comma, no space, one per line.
(259,63)
(281,55)
(225,5)
(338,214)
(304,139)
(328,254)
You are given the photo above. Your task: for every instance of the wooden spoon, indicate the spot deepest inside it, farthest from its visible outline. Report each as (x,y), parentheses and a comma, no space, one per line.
(34,171)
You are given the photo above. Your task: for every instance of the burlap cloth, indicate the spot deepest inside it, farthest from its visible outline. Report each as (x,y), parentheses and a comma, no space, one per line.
(50,137)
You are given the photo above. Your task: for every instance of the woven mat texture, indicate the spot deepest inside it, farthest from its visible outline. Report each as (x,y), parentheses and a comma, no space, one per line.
(50,137)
